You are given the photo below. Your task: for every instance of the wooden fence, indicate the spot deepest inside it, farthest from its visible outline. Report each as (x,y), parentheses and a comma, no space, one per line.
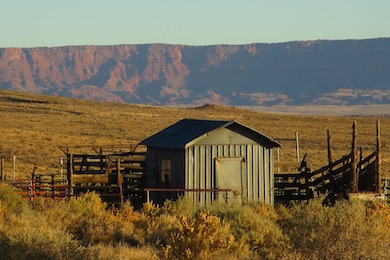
(116,177)
(46,186)
(386,189)
(349,174)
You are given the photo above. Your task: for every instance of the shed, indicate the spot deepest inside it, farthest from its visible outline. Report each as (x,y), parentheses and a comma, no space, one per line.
(210,154)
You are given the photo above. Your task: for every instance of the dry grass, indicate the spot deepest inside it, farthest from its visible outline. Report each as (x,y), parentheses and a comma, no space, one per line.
(36,125)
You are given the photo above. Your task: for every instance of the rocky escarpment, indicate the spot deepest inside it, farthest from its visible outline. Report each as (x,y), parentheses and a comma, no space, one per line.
(293,73)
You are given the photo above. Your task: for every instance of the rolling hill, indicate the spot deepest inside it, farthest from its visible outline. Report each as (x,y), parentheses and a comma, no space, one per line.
(33,127)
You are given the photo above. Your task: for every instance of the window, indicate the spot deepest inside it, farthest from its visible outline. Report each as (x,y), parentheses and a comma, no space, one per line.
(165,170)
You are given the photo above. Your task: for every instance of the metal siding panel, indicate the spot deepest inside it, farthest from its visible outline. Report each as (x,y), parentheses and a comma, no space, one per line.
(202,174)
(187,172)
(220,151)
(226,151)
(271,172)
(262,179)
(245,170)
(208,173)
(214,151)
(255,183)
(231,151)
(266,175)
(196,173)
(191,171)
(249,158)
(237,151)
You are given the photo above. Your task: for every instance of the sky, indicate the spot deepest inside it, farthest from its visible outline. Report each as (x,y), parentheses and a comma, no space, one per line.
(49,23)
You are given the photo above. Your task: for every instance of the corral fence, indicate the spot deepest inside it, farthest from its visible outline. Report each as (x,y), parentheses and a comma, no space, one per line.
(46,186)
(113,172)
(350,174)
(386,189)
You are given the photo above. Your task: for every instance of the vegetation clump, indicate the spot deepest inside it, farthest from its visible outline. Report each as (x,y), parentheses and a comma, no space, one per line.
(85,228)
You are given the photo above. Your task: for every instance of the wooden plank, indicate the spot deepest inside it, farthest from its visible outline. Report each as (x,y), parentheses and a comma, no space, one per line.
(286,166)
(133,167)
(131,158)
(89,178)
(83,156)
(97,172)
(132,176)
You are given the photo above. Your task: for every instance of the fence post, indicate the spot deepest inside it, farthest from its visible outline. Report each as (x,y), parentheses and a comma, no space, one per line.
(227,198)
(355,180)
(120,179)
(62,167)
(330,169)
(69,174)
(378,157)
(13,167)
(52,186)
(32,188)
(2,169)
(297,141)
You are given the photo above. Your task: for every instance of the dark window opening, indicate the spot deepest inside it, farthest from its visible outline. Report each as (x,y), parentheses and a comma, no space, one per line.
(165,171)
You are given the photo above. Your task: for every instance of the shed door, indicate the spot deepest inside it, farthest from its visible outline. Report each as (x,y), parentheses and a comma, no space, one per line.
(229,175)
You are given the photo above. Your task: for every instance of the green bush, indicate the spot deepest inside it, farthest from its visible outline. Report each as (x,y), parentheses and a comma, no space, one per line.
(84,228)
(198,237)
(89,220)
(11,200)
(254,229)
(28,235)
(346,230)
(123,251)
(160,221)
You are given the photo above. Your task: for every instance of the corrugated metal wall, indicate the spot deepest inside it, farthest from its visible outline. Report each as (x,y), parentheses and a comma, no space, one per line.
(257,173)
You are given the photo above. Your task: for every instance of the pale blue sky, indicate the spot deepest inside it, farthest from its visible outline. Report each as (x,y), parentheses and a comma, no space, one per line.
(40,23)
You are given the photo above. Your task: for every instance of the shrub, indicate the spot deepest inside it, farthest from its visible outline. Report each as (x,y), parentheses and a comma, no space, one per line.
(11,200)
(254,229)
(198,237)
(89,221)
(160,221)
(28,235)
(123,251)
(346,230)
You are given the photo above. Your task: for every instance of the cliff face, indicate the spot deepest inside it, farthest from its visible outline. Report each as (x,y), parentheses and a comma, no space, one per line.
(293,73)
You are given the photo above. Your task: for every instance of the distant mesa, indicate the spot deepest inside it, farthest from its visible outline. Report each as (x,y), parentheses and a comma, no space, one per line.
(337,72)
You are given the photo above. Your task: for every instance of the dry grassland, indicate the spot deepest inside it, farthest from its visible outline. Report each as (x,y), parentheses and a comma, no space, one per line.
(36,125)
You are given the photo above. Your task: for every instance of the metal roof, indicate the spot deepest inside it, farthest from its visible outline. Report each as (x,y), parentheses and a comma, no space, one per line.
(178,135)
